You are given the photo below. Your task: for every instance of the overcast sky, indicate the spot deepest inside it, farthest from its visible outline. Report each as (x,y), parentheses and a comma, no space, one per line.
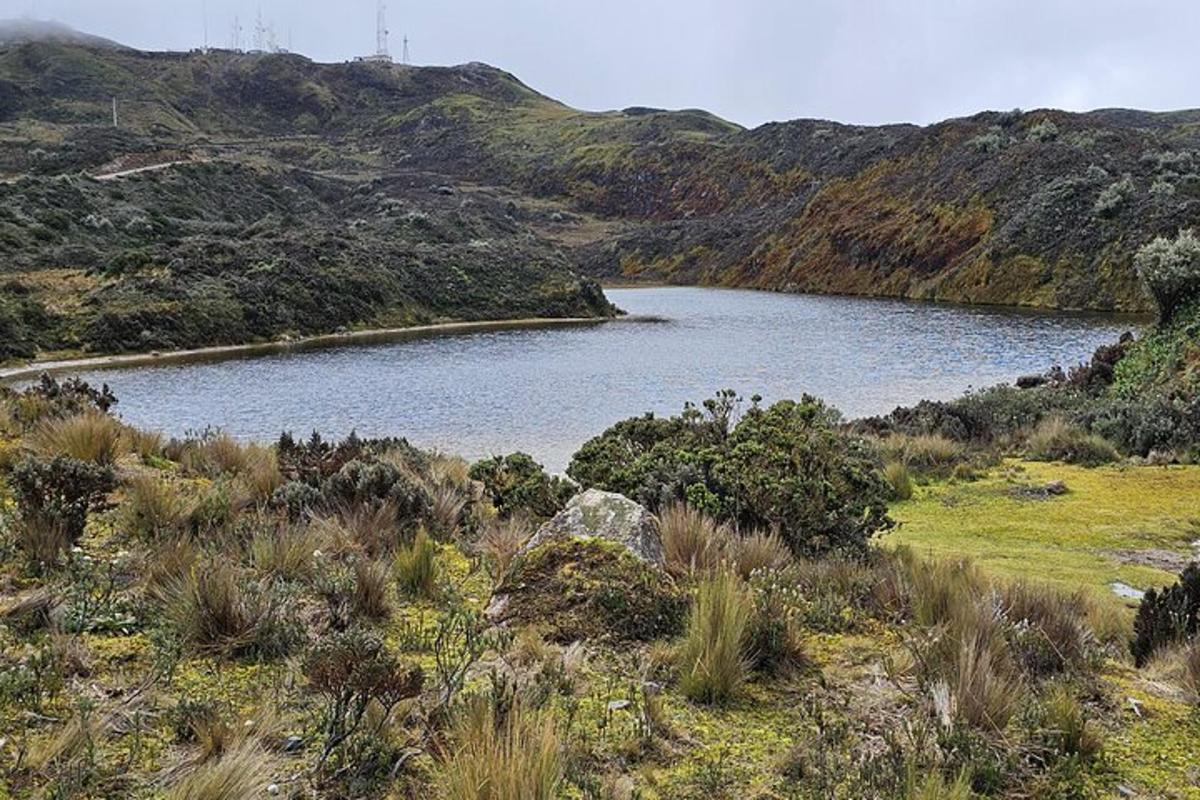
(862,61)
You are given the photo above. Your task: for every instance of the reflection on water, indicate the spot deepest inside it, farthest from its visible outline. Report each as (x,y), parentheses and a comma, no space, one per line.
(545,391)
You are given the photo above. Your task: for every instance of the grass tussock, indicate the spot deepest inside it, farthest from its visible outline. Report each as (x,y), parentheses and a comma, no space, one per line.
(693,542)
(928,454)
(371,599)
(517,758)
(284,551)
(760,551)
(91,436)
(898,477)
(416,567)
(370,530)
(153,509)
(500,543)
(712,658)
(1066,725)
(241,773)
(1055,439)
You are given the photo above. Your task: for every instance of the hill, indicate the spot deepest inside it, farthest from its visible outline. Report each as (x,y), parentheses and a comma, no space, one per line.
(308,161)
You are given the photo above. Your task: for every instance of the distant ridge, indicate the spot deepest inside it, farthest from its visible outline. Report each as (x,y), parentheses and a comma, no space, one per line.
(20,31)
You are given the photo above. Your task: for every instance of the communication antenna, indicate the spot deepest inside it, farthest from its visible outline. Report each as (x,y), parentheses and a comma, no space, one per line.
(260,33)
(235,35)
(204,13)
(404,52)
(381,31)
(271,42)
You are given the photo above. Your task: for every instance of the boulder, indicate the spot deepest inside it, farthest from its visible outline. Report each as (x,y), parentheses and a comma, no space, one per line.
(595,514)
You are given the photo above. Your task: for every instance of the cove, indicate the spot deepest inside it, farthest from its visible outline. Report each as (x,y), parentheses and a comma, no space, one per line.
(546,390)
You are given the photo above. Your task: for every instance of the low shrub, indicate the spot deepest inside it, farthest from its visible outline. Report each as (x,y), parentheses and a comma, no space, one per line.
(515,757)
(54,499)
(1056,440)
(1170,270)
(516,484)
(1166,616)
(590,589)
(713,660)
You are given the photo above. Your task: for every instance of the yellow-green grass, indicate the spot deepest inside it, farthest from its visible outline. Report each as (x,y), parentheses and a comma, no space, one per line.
(1067,538)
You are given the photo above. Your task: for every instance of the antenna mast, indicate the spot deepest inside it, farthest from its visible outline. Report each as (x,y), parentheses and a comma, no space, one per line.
(260,33)
(404,54)
(381,31)
(235,35)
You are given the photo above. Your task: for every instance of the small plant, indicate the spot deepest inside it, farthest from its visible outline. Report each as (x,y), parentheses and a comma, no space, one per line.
(759,551)
(693,542)
(898,478)
(518,757)
(351,671)
(516,484)
(1114,197)
(416,567)
(712,658)
(501,542)
(371,595)
(1044,130)
(1166,616)
(1066,726)
(53,500)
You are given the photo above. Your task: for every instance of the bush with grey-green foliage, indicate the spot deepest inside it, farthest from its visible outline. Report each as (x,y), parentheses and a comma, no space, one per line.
(1114,197)
(1043,131)
(1170,269)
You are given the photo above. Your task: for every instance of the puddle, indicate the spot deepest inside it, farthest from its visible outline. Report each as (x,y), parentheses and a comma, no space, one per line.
(1126,591)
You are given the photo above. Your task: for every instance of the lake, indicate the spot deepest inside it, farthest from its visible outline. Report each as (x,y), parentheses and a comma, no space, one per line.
(546,391)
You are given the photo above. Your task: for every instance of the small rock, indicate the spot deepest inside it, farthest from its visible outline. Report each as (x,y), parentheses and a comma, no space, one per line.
(293,744)
(609,516)
(273,789)
(617,705)
(1056,488)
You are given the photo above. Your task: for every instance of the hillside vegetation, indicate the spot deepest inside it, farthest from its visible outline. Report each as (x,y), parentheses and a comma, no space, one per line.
(348,162)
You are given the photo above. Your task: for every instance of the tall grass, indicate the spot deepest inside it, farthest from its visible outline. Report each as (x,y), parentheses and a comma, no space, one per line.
(693,542)
(500,543)
(153,508)
(416,567)
(712,657)
(284,551)
(897,475)
(1054,439)
(90,436)
(516,758)
(371,597)
(927,454)
(758,552)
(987,688)
(208,608)
(242,773)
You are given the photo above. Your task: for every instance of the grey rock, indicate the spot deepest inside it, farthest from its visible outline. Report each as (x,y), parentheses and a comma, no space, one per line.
(605,515)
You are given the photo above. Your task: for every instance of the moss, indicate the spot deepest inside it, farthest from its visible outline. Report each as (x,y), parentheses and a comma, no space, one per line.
(591,589)
(1067,538)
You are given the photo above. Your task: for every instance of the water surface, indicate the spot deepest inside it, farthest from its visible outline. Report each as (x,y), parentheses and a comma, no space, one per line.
(545,391)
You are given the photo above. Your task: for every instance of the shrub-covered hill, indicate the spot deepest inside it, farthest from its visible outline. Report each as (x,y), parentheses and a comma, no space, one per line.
(1042,208)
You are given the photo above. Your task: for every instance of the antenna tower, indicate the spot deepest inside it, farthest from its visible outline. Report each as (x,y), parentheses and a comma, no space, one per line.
(235,35)
(404,53)
(381,31)
(260,33)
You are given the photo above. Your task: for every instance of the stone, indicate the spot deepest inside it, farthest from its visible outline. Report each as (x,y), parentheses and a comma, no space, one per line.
(596,514)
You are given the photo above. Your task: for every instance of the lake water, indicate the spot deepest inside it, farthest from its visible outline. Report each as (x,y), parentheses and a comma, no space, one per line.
(546,391)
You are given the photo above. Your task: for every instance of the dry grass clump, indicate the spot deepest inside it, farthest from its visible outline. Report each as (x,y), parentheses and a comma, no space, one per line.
(1055,439)
(501,542)
(153,508)
(83,731)
(712,658)
(758,552)
(416,567)
(1066,726)
(91,436)
(985,683)
(219,455)
(517,758)
(367,529)
(897,475)
(932,785)
(284,551)
(43,538)
(926,454)
(241,773)
(146,445)
(371,598)
(208,607)
(1178,664)
(693,542)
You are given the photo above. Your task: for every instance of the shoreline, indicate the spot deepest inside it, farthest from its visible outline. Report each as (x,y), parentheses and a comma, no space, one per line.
(222,352)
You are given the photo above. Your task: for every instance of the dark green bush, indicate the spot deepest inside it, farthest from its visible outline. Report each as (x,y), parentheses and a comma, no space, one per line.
(517,484)
(60,492)
(360,483)
(790,466)
(1166,615)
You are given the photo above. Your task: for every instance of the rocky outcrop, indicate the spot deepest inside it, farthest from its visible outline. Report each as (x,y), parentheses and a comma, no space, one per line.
(596,514)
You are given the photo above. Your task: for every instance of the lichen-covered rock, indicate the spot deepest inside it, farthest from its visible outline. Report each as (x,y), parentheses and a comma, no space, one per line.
(588,589)
(596,514)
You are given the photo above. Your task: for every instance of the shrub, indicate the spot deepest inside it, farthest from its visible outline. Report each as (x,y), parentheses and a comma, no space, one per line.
(1056,440)
(1044,130)
(53,500)
(152,509)
(517,484)
(362,483)
(1170,269)
(416,567)
(989,142)
(772,637)
(351,671)
(692,540)
(712,658)
(1167,615)
(516,757)
(91,436)
(241,773)
(1114,197)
